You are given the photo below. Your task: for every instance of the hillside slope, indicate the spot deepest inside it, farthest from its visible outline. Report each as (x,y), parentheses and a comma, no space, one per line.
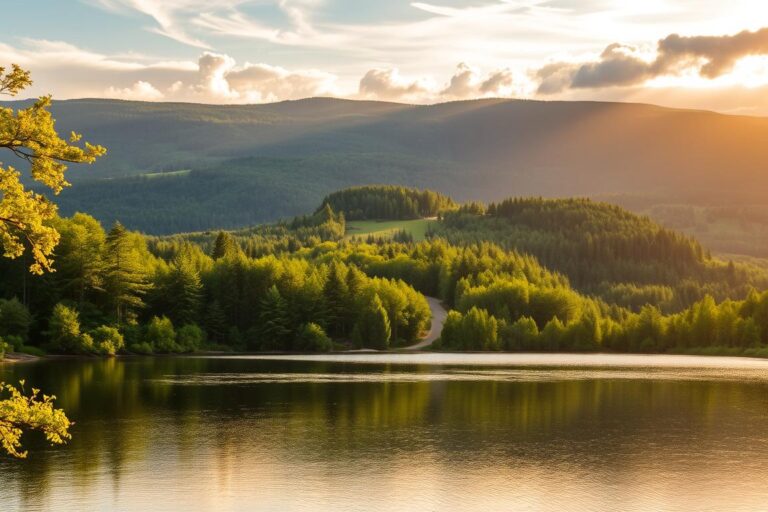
(483,149)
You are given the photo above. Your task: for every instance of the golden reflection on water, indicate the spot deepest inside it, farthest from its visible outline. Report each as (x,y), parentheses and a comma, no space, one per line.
(332,434)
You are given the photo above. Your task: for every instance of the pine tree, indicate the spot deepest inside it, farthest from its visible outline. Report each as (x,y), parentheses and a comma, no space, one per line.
(216,322)
(379,328)
(184,290)
(223,246)
(274,320)
(373,329)
(335,293)
(126,280)
(80,256)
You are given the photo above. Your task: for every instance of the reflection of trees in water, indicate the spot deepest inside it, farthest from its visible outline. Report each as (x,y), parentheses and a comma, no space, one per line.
(127,413)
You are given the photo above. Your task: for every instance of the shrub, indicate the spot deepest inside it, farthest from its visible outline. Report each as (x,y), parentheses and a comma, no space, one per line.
(64,332)
(141,348)
(15,342)
(190,337)
(312,338)
(162,336)
(107,340)
(32,351)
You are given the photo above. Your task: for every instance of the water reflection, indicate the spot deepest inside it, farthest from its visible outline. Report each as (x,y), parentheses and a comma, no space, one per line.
(332,434)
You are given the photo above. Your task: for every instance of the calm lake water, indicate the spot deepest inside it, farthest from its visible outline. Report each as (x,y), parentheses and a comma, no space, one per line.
(399,432)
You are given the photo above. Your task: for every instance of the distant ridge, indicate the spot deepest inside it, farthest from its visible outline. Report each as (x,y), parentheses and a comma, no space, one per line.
(481,149)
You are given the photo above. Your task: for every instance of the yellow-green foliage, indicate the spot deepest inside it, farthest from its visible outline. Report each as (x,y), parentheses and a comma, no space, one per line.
(30,134)
(20,412)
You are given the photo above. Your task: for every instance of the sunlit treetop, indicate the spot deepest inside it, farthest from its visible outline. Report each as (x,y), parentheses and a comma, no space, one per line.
(30,134)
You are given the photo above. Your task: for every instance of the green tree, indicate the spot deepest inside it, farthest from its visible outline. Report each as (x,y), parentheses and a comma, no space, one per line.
(15,319)
(126,279)
(312,338)
(274,321)
(80,256)
(223,246)
(480,330)
(107,340)
(190,337)
(216,322)
(522,334)
(373,329)
(183,290)
(162,336)
(64,332)
(30,134)
(336,294)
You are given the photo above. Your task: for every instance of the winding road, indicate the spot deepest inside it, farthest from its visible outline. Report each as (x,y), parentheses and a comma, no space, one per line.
(438,319)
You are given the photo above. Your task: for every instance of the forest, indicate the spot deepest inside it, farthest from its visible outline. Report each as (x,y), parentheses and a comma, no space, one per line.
(518,275)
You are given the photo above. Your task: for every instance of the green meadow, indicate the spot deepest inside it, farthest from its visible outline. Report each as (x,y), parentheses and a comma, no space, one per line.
(387,228)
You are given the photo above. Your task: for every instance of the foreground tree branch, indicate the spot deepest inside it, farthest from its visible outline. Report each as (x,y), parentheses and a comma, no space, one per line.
(20,412)
(30,134)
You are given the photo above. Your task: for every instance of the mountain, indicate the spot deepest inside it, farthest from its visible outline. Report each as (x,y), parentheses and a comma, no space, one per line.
(259,162)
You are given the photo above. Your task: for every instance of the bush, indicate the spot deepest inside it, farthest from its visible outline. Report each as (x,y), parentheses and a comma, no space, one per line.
(64,332)
(31,351)
(107,340)
(312,338)
(161,335)
(14,342)
(143,348)
(190,337)
(3,347)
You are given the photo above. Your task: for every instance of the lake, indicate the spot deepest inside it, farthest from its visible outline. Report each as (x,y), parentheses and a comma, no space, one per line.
(399,432)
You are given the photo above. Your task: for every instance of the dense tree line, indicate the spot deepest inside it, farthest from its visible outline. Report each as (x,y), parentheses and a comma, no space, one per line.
(301,285)
(111,293)
(374,202)
(605,250)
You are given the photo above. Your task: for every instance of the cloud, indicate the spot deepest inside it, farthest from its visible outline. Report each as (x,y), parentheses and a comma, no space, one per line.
(140,91)
(720,53)
(468,82)
(262,82)
(621,65)
(220,79)
(168,15)
(388,84)
(212,81)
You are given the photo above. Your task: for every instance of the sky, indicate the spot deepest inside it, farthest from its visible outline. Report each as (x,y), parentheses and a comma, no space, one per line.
(707,54)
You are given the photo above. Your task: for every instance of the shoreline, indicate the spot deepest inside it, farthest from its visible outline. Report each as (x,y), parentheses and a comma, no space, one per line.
(20,358)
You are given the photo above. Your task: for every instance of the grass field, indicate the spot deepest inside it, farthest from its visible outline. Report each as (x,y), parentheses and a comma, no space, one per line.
(387,228)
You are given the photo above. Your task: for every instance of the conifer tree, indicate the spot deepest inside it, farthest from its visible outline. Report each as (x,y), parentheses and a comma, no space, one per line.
(216,322)
(80,256)
(373,329)
(335,293)
(184,290)
(126,280)
(223,245)
(274,320)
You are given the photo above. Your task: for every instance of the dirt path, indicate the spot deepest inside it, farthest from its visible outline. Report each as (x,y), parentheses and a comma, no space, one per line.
(438,319)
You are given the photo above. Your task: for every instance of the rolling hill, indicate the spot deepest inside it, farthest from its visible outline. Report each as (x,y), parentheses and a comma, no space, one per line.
(260,162)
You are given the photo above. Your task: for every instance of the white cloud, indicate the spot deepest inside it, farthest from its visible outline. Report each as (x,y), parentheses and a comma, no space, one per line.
(388,84)
(467,82)
(140,91)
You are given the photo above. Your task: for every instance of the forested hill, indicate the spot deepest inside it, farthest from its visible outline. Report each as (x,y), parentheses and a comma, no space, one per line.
(261,162)
(521,274)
